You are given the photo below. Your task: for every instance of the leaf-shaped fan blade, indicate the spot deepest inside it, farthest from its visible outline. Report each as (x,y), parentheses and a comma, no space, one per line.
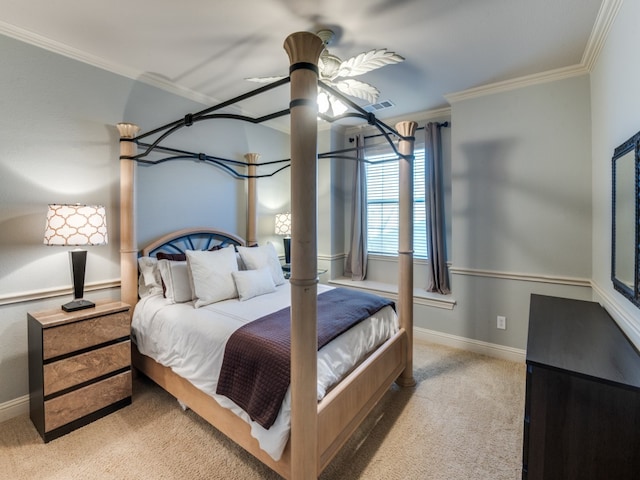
(358,89)
(367,61)
(264,79)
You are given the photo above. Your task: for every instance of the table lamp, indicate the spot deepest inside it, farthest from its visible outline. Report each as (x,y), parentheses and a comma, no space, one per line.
(283,227)
(76,225)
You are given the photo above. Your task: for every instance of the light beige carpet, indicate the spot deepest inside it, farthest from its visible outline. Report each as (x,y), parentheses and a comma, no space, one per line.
(463,421)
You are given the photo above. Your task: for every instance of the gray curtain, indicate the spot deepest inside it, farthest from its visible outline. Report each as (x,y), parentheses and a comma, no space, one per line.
(356,264)
(437,274)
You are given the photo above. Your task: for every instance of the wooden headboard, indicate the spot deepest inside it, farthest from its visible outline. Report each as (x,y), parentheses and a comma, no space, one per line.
(202,238)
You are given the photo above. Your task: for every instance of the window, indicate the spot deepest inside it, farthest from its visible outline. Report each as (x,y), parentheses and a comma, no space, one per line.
(383,207)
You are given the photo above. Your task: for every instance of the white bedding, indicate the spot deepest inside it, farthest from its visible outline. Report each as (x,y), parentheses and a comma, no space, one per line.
(191,342)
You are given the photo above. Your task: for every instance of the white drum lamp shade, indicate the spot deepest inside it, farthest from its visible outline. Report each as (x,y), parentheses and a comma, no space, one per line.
(76,225)
(283,227)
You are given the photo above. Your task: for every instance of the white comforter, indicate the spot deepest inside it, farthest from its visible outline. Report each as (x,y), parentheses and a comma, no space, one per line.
(191,342)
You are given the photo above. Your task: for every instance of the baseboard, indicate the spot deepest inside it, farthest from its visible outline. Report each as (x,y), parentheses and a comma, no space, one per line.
(14,408)
(476,346)
(619,312)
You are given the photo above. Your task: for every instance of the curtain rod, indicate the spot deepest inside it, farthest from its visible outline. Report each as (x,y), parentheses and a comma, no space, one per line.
(441,124)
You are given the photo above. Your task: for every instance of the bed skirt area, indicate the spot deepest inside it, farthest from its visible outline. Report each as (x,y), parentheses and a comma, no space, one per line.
(339,412)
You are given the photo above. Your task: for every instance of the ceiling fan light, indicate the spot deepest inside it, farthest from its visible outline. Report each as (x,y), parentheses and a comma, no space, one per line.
(335,73)
(337,106)
(323,102)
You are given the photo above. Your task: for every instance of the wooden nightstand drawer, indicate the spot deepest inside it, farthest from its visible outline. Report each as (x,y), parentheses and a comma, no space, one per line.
(69,407)
(79,335)
(87,366)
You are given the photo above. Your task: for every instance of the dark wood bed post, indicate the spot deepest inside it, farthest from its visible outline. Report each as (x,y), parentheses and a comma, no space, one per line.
(304,49)
(252,200)
(128,243)
(405,243)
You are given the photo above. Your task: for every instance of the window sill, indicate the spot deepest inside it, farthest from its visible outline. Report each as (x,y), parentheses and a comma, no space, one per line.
(389,290)
(394,258)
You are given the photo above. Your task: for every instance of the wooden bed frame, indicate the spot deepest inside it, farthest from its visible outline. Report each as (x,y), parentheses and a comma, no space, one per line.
(318,429)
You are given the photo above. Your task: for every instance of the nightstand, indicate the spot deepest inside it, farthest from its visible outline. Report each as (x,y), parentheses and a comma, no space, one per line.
(79,366)
(286,269)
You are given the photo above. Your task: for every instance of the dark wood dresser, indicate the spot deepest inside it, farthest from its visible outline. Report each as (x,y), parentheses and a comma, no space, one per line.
(582,407)
(79,366)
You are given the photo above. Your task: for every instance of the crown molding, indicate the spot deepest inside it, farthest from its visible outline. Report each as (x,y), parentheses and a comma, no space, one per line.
(32,38)
(153,80)
(516,83)
(604,20)
(37,40)
(606,16)
(424,116)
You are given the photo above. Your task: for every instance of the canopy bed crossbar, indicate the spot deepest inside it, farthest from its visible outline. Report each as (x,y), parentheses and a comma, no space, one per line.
(374,135)
(226,164)
(223,163)
(190,118)
(318,429)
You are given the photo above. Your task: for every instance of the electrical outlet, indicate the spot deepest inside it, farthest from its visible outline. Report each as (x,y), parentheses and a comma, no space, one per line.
(502,322)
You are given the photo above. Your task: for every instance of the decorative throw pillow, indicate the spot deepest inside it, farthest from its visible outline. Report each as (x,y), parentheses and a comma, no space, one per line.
(175,276)
(211,275)
(251,283)
(174,257)
(149,282)
(261,257)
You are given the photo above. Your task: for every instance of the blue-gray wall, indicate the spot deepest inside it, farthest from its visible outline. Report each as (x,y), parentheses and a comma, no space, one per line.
(59,143)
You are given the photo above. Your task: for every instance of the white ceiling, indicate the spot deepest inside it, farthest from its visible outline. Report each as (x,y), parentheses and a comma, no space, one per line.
(206,48)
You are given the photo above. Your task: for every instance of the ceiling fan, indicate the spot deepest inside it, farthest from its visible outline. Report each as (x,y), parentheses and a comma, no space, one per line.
(336,73)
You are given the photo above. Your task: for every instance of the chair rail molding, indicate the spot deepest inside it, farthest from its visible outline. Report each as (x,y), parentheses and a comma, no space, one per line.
(33,295)
(524,277)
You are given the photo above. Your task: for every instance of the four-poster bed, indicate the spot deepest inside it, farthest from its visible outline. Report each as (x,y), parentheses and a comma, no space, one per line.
(318,428)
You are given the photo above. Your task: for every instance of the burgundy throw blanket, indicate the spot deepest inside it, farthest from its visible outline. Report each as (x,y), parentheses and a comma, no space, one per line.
(255,372)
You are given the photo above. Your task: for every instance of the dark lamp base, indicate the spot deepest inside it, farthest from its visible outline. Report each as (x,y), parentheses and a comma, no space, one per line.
(287,249)
(80,304)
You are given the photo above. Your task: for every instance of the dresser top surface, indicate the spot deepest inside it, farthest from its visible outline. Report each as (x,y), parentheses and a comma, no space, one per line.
(580,337)
(55,317)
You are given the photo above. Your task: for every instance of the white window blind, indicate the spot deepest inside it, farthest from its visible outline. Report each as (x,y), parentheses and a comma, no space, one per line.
(383,206)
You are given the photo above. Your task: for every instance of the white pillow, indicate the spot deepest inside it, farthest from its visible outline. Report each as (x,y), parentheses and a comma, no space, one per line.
(149,280)
(177,283)
(148,267)
(211,275)
(263,256)
(240,262)
(251,283)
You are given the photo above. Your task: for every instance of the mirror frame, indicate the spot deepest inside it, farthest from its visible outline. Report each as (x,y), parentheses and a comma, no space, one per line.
(631,145)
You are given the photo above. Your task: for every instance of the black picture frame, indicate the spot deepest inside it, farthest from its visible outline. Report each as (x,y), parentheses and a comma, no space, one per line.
(625,215)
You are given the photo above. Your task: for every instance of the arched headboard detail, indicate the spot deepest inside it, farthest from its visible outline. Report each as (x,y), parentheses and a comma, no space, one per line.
(191,239)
